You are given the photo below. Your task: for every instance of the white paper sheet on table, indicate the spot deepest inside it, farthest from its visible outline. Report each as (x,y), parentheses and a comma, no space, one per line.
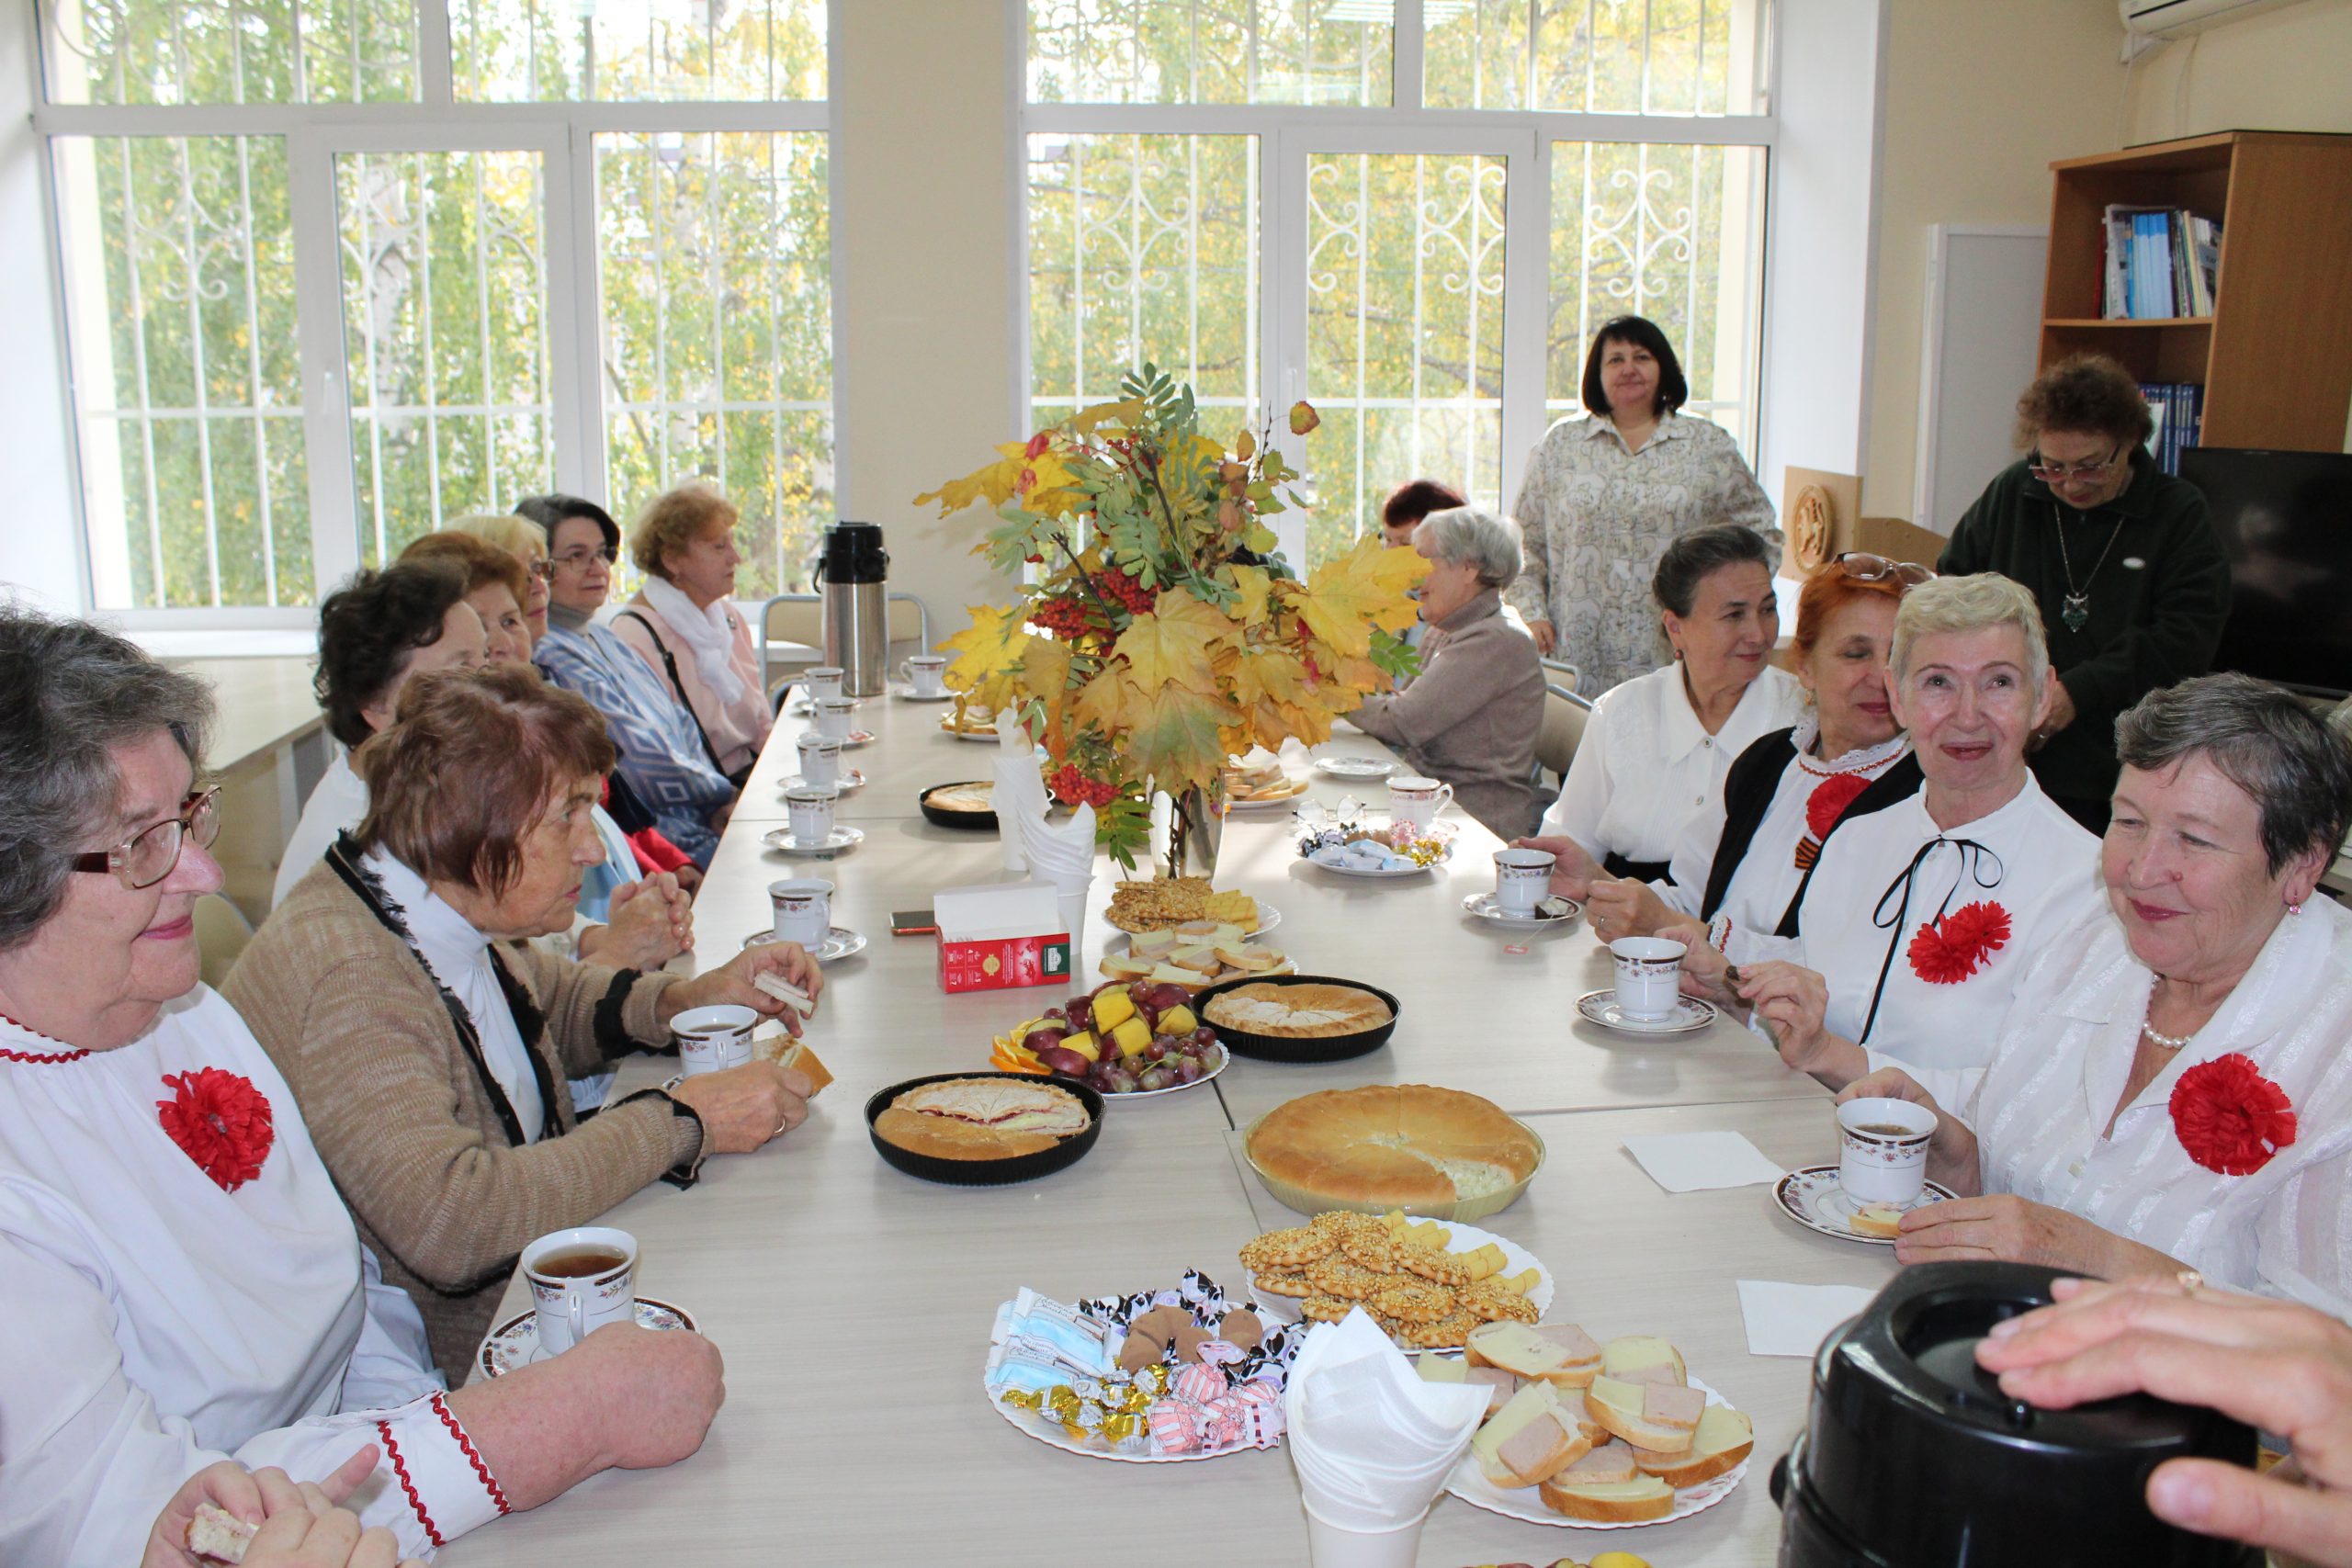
(1792,1320)
(1688,1162)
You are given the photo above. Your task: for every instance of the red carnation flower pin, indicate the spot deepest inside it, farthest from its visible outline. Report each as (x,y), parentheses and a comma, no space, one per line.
(220,1122)
(1947,950)
(1822,809)
(2229,1117)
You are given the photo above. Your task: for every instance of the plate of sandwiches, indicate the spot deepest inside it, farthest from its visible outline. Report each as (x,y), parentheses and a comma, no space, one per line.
(1299,1018)
(1259,788)
(1592,1436)
(968,805)
(983,1129)
(1195,954)
(968,726)
(1429,1286)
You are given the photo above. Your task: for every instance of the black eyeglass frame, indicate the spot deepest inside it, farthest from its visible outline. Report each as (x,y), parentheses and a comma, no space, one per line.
(199,818)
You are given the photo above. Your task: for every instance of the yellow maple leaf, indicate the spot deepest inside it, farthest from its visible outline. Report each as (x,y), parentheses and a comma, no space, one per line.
(1349,595)
(996,483)
(1263,674)
(1173,641)
(1045,675)
(989,652)
(1176,735)
(1126,412)
(1257,586)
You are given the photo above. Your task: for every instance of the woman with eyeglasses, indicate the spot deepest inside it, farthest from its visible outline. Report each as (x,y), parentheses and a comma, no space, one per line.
(179,1278)
(1741,860)
(2121,556)
(662,755)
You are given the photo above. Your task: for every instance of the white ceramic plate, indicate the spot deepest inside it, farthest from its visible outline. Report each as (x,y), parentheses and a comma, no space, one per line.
(855,739)
(1471,1485)
(1690,1013)
(987,735)
(1357,768)
(1277,803)
(1465,1238)
(1815,1200)
(840,943)
(1379,875)
(1048,1432)
(782,840)
(908,695)
(1119,944)
(515,1342)
(850,780)
(1268,918)
(1224,1060)
(1559,914)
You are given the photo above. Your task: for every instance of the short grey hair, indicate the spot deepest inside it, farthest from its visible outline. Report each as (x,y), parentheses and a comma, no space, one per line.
(2297,770)
(1970,605)
(1465,533)
(70,694)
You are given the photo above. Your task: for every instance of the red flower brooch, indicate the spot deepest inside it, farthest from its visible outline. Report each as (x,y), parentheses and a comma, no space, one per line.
(2229,1117)
(220,1122)
(1822,809)
(1950,949)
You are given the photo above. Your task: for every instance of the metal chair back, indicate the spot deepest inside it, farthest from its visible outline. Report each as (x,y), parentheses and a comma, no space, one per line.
(1564,714)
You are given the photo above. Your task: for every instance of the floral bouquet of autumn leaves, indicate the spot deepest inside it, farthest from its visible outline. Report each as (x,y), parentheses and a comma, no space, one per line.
(1158,634)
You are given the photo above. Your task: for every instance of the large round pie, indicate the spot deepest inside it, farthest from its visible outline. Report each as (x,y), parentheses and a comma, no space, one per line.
(1396,1145)
(1314,1010)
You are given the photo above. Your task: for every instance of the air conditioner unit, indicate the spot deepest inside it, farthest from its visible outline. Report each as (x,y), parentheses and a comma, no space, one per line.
(2151,20)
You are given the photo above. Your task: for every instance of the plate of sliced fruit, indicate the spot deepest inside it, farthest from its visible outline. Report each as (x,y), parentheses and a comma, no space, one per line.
(1126,1040)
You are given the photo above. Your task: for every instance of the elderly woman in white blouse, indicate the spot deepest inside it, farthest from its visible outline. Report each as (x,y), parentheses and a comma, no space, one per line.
(2168,1090)
(180,1281)
(1655,749)
(1919,920)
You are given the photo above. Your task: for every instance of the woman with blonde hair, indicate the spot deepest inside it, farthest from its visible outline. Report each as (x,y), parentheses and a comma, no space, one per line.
(528,543)
(684,621)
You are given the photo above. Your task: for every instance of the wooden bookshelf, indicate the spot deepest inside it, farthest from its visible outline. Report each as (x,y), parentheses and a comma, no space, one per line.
(2275,357)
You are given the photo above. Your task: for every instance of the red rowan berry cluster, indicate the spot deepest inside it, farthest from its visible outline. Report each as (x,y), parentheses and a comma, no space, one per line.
(1077,789)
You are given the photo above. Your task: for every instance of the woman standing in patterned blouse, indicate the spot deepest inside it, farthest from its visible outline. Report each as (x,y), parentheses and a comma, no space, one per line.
(1604,495)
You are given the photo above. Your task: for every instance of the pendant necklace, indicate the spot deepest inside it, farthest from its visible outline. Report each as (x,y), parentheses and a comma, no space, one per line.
(2078,611)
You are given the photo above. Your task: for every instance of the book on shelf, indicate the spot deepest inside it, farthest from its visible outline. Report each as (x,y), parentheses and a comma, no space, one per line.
(2179,410)
(2161,263)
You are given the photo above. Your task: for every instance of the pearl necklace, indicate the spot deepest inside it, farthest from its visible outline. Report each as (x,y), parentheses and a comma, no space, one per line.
(2165,1041)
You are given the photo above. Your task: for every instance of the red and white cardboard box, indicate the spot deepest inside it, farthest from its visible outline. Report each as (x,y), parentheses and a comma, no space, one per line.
(1001,934)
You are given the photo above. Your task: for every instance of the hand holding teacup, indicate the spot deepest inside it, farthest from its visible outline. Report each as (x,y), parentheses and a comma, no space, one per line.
(1624,906)
(1705,972)
(1572,870)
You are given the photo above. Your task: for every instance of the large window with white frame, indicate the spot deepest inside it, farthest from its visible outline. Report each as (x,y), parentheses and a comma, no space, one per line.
(1413,212)
(336,273)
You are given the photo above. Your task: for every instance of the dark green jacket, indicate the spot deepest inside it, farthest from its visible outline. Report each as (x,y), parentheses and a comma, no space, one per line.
(2156,603)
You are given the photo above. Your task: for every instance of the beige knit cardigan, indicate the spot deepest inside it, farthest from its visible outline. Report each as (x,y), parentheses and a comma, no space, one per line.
(404,1118)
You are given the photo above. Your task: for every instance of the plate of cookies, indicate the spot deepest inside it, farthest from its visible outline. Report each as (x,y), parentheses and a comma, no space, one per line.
(1592,1436)
(1429,1285)
(1166,903)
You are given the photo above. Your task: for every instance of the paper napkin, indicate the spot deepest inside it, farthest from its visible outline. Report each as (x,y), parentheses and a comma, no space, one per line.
(1687,1162)
(1372,1442)
(1792,1320)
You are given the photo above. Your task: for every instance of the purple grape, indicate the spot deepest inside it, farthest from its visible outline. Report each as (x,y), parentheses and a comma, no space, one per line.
(1118,1080)
(1189,1071)
(1204,1035)
(1153,1078)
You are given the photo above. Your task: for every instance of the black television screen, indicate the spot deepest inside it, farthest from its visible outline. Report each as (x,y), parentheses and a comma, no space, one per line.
(2285,519)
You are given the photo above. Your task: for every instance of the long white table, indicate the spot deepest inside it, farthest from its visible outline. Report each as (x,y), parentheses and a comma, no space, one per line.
(853,1302)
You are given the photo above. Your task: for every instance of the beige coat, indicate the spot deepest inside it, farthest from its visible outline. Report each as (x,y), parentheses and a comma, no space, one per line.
(406,1120)
(1470,718)
(737,729)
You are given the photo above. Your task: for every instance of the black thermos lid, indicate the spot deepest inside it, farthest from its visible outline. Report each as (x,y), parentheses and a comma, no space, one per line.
(1912,1456)
(854,553)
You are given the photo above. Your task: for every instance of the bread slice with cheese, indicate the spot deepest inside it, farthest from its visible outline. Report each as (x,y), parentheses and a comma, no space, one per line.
(1643,1358)
(1884,1221)
(1530,1439)
(1558,1353)
(1724,1438)
(1637,1501)
(1609,1463)
(1661,1418)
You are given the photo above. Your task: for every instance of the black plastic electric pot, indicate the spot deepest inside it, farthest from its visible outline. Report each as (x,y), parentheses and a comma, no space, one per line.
(1912,1457)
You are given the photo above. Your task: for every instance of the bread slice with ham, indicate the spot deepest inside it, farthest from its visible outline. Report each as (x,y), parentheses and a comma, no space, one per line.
(1661,1418)
(1722,1439)
(1530,1439)
(1643,1358)
(1637,1501)
(1558,1353)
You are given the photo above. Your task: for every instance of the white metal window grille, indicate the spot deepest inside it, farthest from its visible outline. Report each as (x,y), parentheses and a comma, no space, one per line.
(314,310)
(1452,195)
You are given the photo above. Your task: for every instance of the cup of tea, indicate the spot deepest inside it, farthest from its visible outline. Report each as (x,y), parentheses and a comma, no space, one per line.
(1416,800)
(927,673)
(1522,878)
(581,1280)
(714,1038)
(804,909)
(1882,1149)
(1649,975)
(810,808)
(820,758)
(833,717)
(823,681)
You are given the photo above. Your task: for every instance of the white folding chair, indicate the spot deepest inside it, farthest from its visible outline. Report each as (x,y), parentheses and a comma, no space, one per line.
(1565,714)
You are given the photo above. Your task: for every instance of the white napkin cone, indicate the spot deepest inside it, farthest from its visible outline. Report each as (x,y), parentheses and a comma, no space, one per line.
(1019,795)
(1373,1443)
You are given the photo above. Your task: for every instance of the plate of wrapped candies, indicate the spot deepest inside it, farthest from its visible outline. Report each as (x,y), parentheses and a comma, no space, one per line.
(1348,842)
(1158,1377)
(1130,1040)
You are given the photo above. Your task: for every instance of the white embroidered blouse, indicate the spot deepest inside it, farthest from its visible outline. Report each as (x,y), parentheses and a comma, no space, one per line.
(1595,516)
(158,1321)
(1646,765)
(2065,1049)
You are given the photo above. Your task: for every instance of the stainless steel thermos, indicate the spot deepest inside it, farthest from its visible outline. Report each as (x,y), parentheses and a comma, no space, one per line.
(854,571)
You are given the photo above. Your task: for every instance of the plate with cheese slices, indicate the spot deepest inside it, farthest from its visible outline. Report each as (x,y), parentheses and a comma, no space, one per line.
(1428,1285)
(1197,953)
(1590,1435)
